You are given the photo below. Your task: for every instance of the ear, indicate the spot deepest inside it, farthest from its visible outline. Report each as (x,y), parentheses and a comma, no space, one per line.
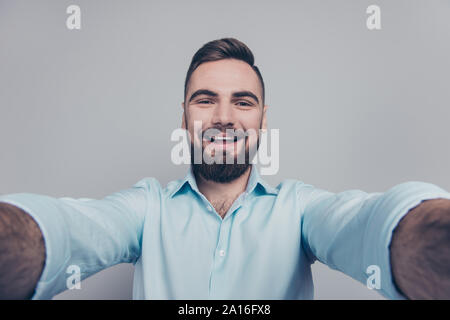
(183,117)
(264,120)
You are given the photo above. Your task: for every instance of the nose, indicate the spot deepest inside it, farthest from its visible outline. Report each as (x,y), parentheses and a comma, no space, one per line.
(223,115)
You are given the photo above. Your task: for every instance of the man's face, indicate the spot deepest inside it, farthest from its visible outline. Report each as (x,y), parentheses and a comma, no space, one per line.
(224,94)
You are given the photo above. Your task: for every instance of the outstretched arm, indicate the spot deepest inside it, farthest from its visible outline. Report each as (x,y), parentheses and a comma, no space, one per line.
(420,251)
(22,253)
(353,232)
(87,234)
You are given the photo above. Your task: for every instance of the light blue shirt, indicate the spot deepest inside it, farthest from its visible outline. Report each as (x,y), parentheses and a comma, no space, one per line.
(182,249)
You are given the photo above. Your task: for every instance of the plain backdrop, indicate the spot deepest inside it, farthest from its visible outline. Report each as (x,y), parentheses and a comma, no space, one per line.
(84,113)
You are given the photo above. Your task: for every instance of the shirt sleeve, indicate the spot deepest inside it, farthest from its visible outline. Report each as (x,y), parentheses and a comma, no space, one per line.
(86,233)
(351,231)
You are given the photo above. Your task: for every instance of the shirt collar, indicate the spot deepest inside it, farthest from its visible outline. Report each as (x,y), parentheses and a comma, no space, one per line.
(255,183)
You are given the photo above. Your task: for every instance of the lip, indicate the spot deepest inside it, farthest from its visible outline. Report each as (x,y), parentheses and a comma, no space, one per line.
(222,138)
(223,145)
(227,143)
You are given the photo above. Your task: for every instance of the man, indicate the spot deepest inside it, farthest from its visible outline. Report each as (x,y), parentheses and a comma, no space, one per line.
(222,232)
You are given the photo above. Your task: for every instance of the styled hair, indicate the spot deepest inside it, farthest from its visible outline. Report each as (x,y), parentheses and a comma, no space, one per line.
(226,48)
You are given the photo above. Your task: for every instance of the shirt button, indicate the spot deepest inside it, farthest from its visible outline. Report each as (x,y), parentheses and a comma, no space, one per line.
(209,208)
(222,253)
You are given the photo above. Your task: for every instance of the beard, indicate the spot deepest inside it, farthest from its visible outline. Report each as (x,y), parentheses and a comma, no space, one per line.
(221,172)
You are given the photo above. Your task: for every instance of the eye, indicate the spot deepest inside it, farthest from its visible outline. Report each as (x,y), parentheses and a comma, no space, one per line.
(204,102)
(244,104)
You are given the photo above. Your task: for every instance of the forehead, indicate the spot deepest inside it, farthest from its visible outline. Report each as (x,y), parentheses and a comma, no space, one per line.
(224,77)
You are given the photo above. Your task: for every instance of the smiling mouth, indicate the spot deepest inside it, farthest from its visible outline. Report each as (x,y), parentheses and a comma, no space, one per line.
(223,138)
(219,139)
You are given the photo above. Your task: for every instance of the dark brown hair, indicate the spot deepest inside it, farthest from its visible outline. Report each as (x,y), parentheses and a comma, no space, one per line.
(226,48)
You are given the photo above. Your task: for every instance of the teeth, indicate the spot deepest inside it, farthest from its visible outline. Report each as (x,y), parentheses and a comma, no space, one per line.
(232,138)
(220,138)
(224,138)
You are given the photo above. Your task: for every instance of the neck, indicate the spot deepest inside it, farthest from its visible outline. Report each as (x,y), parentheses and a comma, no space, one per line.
(213,190)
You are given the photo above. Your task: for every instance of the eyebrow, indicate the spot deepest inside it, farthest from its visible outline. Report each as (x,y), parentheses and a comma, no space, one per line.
(242,94)
(203,92)
(239,94)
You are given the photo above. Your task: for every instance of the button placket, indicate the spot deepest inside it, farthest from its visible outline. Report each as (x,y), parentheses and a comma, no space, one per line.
(220,253)
(221,248)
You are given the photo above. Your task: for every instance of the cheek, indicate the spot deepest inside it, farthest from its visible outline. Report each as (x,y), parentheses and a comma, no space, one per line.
(251,120)
(203,118)
(252,124)
(196,114)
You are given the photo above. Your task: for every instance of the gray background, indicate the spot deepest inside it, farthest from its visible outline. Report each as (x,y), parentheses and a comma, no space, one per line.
(89,112)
